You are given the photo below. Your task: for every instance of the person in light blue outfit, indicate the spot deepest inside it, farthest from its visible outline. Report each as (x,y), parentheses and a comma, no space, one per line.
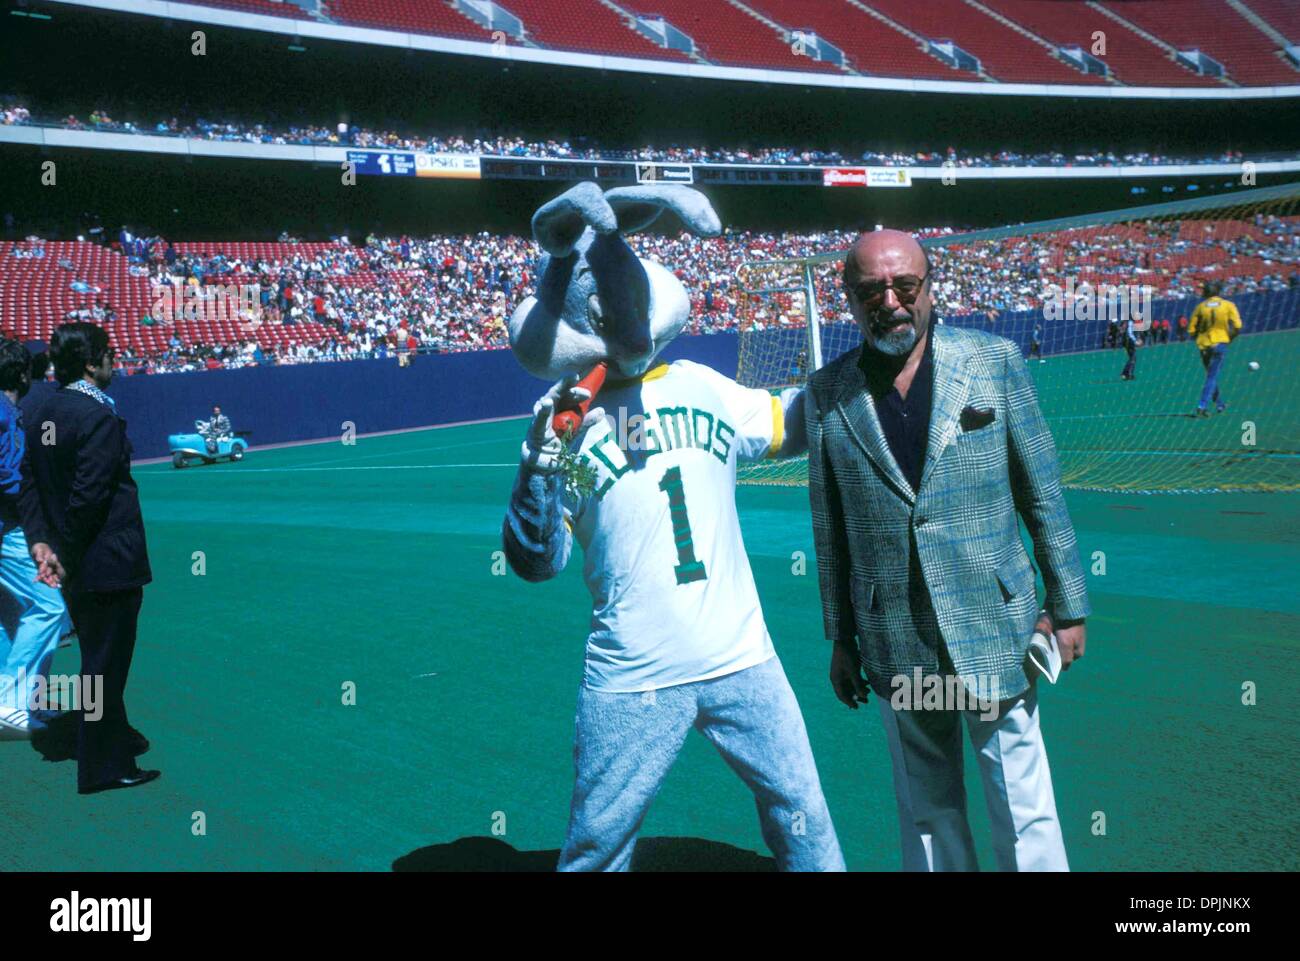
(32,613)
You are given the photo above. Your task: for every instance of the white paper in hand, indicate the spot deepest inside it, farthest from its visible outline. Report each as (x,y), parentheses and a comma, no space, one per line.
(1046,655)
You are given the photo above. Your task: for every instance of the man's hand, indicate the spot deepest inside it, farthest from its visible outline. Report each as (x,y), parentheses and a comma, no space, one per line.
(48,569)
(1070,637)
(846,676)
(542,447)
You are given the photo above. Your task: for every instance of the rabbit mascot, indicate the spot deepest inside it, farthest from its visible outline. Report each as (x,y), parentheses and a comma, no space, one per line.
(646,484)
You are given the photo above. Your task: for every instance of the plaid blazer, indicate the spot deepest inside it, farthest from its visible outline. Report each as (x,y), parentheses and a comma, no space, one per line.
(910,573)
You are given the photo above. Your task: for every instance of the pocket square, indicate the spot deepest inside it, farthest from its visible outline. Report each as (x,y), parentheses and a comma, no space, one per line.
(973,418)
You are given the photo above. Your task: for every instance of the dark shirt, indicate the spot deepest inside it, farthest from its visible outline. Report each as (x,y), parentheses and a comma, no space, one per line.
(905,421)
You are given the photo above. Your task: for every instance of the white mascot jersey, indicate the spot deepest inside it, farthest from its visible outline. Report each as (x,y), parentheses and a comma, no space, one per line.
(673,597)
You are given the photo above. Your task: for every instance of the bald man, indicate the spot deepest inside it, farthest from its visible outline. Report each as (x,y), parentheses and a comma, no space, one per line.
(926,444)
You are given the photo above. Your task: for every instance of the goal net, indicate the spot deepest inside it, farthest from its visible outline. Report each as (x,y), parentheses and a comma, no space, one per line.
(1064,292)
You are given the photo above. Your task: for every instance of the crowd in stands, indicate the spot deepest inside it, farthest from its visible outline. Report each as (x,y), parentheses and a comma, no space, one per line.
(343,135)
(383,297)
(1173,257)
(392,296)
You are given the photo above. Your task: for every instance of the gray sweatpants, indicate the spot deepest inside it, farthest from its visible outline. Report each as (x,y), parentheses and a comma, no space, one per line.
(626,743)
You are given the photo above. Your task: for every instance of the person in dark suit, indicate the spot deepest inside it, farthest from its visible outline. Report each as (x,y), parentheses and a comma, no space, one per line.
(41,389)
(80,464)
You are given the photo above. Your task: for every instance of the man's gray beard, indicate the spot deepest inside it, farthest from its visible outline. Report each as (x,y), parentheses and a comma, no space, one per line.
(895,343)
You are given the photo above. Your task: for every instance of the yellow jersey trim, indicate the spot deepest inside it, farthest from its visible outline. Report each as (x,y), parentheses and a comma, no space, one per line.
(654,373)
(778,427)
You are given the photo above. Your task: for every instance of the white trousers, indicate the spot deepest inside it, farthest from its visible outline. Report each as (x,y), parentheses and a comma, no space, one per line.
(926,748)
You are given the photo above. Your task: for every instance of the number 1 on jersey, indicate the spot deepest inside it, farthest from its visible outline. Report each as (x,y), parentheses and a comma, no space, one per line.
(688,568)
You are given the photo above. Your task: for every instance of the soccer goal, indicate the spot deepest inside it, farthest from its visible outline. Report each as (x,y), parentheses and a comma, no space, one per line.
(1064,291)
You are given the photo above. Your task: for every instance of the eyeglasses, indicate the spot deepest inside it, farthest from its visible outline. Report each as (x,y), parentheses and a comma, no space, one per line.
(872,292)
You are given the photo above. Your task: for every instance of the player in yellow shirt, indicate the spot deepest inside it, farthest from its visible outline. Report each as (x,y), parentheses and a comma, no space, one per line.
(1215,323)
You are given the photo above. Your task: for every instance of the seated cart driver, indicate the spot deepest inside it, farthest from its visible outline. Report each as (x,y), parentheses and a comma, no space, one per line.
(216,429)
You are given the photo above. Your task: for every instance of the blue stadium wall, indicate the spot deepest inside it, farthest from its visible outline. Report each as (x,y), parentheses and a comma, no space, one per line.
(311,401)
(1260,312)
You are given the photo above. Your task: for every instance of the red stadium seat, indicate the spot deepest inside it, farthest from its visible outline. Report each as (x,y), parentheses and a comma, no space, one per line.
(726,34)
(1004,53)
(586,25)
(1249,56)
(871,45)
(409,16)
(750,34)
(1282,15)
(1132,59)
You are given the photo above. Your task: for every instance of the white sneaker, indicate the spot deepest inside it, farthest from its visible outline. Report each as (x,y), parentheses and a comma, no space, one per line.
(15,725)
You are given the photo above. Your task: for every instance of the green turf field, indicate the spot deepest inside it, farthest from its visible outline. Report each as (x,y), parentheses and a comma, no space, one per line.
(375,564)
(1142,435)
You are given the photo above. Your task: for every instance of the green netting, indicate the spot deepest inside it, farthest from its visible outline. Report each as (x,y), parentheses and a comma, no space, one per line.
(1052,282)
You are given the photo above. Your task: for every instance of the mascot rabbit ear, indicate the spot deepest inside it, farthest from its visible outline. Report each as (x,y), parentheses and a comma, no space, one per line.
(638,207)
(596,300)
(558,224)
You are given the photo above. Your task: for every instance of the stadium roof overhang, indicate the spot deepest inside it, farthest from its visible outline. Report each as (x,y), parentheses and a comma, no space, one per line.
(303,29)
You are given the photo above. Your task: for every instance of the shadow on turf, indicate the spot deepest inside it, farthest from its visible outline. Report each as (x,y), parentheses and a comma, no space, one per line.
(59,741)
(652,854)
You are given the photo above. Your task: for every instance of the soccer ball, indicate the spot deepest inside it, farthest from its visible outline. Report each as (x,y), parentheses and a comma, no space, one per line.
(1253,365)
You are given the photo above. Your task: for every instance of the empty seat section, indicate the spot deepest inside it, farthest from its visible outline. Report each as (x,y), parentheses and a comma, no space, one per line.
(724,34)
(1132,59)
(1214,27)
(871,45)
(1282,15)
(409,16)
(585,25)
(1003,53)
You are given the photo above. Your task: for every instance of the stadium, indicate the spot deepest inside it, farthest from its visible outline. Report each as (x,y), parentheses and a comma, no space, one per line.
(318,216)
